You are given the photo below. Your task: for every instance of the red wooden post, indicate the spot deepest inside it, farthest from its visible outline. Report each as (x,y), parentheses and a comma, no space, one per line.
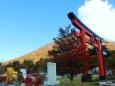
(100,61)
(82,32)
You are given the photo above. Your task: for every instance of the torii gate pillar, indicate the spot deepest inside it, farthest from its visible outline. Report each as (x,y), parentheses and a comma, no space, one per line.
(93,40)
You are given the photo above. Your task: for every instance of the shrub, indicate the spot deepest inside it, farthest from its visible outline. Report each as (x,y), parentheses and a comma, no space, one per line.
(111,77)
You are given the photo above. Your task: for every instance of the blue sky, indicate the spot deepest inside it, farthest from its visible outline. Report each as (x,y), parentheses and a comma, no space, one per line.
(26,25)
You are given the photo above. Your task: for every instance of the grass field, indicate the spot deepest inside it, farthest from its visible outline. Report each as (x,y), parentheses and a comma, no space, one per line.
(77,81)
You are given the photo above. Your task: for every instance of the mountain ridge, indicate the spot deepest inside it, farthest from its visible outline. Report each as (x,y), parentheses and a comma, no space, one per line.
(35,55)
(42,52)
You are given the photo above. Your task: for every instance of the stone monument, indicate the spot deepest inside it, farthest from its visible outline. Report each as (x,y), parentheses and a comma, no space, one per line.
(51,74)
(23,72)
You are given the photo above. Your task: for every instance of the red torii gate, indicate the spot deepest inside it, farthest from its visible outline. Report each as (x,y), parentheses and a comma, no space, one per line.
(84,30)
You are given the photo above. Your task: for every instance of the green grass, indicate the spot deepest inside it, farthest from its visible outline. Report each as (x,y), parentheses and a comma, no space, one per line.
(111,77)
(77,81)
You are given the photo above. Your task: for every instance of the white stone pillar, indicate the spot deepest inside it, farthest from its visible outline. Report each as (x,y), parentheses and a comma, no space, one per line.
(23,72)
(51,74)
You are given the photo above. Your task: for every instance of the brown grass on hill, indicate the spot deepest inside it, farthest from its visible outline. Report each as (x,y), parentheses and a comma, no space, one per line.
(34,55)
(43,52)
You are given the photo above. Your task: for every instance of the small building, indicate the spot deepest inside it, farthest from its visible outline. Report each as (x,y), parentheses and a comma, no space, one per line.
(15,75)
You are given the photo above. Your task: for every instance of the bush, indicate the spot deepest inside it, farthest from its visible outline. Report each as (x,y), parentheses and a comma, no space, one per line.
(111,77)
(2,79)
(38,81)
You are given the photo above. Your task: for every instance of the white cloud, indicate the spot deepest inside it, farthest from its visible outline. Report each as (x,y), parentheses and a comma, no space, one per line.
(99,16)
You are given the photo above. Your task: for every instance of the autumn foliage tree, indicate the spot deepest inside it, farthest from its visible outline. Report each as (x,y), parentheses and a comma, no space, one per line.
(69,54)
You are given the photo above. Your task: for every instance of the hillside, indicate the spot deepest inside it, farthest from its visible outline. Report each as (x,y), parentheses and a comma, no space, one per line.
(34,55)
(110,45)
(42,52)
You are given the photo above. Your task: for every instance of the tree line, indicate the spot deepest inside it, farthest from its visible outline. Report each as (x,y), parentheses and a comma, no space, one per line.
(26,64)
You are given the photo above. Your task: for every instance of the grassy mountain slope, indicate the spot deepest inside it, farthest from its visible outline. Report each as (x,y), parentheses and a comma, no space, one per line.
(43,52)
(34,55)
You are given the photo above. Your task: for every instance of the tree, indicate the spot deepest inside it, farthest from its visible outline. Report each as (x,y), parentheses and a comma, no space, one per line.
(93,53)
(28,64)
(16,65)
(9,64)
(106,58)
(94,61)
(69,54)
(2,69)
(36,67)
(111,62)
(43,64)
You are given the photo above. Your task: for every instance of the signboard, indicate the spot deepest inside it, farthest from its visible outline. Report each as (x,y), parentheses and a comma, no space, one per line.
(104,53)
(93,39)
